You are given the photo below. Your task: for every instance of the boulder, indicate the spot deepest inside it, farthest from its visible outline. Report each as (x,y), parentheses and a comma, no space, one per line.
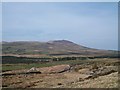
(33,70)
(55,69)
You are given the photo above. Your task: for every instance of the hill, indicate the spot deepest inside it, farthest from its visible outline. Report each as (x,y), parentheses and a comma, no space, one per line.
(57,47)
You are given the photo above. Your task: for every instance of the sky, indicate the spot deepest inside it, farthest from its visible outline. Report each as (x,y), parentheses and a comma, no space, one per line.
(90,24)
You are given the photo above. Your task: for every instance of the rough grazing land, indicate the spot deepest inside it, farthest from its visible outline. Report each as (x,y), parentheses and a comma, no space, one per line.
(63,76)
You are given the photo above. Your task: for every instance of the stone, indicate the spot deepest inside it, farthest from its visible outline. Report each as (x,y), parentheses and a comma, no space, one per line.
(55,69)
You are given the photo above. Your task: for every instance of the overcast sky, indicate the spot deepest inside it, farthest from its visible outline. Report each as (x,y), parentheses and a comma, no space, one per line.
(90,24)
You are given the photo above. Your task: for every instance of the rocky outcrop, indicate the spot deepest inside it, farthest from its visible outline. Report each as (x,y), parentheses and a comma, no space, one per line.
(55,69)
(98,72)
(33,70)
(105,70)
(25,71)
(47,70)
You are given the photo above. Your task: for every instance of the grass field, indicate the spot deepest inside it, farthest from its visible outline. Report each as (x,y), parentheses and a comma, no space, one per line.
(101,61)
(6,67)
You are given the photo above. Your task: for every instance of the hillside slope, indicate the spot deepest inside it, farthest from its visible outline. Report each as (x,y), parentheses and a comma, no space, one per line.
(57,47)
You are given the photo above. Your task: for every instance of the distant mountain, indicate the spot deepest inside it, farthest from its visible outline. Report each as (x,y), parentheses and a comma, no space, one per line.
(57,47)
